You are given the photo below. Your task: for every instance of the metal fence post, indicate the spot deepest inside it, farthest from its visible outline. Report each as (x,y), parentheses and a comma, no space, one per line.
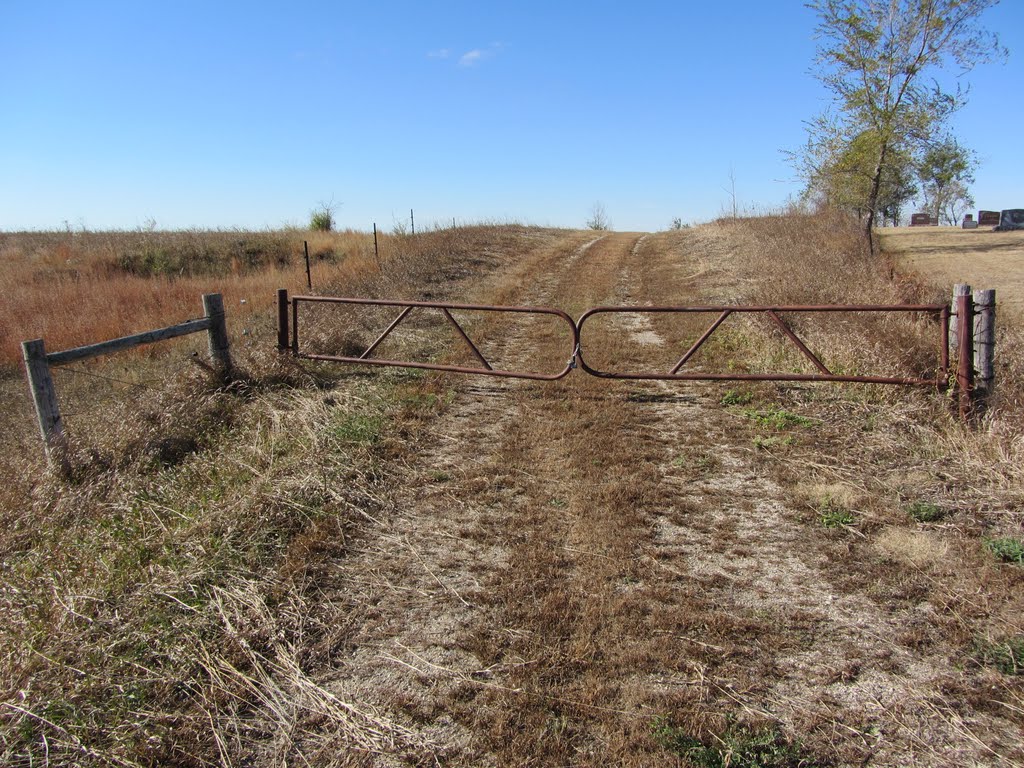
(965,355)
(282,319)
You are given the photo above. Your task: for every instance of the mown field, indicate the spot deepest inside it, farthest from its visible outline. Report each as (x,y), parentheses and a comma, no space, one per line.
(948,255)
(322,565)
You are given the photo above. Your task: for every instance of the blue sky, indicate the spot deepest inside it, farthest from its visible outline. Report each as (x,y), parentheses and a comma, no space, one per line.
(222,114)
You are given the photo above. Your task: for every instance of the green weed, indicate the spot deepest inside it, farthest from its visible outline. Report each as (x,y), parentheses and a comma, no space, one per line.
(833,514)
(1007,656)
(737,748)
(763,443)
(357,428)
(777,419)
(925,511)
(1007,549)
(732,397)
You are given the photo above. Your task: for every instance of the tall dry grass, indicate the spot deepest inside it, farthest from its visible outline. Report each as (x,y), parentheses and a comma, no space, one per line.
(73,288)
(165,605)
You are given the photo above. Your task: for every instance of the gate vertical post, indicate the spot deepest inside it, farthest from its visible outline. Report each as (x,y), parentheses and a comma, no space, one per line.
(984,341)
(282,319)
(965,355)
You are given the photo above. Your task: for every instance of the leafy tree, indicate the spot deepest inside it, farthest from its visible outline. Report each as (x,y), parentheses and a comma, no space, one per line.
(879,58)
(945,171)
(844,177)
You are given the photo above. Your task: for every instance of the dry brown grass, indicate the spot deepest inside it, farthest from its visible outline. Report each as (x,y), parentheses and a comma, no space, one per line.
(943,256)
(346,568)
(165,606)
(81,287)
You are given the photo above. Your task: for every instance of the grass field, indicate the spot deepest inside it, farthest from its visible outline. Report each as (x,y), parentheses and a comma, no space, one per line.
(325,566)
(982,258)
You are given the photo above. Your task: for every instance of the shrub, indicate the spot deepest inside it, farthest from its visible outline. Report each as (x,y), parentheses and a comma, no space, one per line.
(321,220)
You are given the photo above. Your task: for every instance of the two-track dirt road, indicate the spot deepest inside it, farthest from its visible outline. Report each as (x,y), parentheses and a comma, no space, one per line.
(588,572)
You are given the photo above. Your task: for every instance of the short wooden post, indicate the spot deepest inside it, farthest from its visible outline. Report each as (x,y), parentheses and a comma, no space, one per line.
(45,398)
(220,354)
(282,320)
(965,355)
(984,341)
(960,289)
(412,221)
(376,251)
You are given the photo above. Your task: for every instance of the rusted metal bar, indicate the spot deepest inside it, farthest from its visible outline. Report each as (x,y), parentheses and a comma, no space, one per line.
(700,342)
(466,339)
(965,354)
(935,308)
(397,321)
(796,340)
(446,308)
(295,325)
(758,377)
(944,320)
(446,368)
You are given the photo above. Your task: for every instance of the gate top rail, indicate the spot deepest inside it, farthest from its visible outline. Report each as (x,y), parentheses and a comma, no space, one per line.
(446,308)
(774,308)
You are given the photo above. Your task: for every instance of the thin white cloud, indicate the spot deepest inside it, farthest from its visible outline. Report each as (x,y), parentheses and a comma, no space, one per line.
(440,53)
(475,56)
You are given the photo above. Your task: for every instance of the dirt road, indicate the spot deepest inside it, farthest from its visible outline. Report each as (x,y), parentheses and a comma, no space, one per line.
(592,572)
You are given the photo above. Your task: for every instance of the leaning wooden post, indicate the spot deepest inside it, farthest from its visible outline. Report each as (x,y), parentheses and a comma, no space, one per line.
(45,398)
(965,355)
(213,306)
(984,341)
(282,320)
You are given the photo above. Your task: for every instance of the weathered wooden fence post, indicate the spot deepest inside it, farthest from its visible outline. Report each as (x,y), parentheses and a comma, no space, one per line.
(984,342)
(213,306)
(960,289)
(45,398)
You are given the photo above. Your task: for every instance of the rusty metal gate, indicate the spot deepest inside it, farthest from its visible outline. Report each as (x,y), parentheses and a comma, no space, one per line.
(777,316)
(289,339)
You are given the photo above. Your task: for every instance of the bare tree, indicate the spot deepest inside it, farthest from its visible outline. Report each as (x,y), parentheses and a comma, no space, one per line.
(598,218)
